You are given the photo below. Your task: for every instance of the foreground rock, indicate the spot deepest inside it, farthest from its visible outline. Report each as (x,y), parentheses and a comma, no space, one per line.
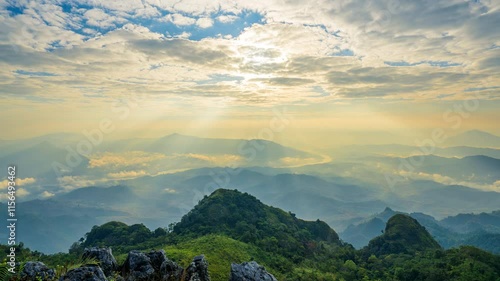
(137,267)
(105,257)
(171,271)
(165,269)
(198,270)
(85,273)
(157,258)
(35,271)
(152,266)
(250,271)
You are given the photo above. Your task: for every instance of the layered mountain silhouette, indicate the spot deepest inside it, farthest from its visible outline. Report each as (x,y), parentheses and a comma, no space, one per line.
(38,161)
(170,196)
(255,150)
(480,230)
(156,181)
(47,160)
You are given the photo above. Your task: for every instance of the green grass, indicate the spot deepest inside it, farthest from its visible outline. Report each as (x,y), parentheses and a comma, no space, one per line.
(220,251)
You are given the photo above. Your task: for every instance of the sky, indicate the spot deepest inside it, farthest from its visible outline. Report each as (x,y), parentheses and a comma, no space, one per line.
(227,68)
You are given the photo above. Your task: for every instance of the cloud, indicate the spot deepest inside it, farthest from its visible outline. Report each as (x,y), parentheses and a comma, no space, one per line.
(113,48)
(127,174)
(118,160)
(285,81)
(226,18)
(20,193)
(19,182)
(40,28)
(450,181)
(184,35)
(113,166)
(295,162)
(419,81)
(99,18)
(184,51)
(180,20)
(25,181)
(217,160)
(46,194)
(170,190)
(147,12)
(204,22)
(69,183)
(197,7)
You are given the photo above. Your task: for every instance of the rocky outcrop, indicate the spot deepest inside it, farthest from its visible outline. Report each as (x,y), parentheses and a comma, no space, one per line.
(250,271)
(171,271)
(137,267)
(165,269)
(105,257)
(157,258)
(198,270)
(35,271)
(85,273)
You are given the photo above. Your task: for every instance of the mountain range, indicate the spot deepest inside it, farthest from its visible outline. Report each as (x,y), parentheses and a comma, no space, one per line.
(173,173)
(231,227)
(481,230)
(474,138)
(169,196)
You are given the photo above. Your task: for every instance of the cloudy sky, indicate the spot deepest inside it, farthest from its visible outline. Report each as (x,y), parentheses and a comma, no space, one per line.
(223,68)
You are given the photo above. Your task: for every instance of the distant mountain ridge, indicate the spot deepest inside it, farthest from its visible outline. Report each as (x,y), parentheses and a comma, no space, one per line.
(46,159)
(177,143)
(475,138)
(56,139)
(38,160)
(398,150)
(479,168)
(169,196)
(480,230)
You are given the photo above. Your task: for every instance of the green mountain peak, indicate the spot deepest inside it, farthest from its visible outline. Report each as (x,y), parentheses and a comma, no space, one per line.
(403,234)
(243,217)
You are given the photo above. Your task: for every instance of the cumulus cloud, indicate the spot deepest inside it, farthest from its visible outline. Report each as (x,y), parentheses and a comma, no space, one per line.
(26,181)
(227,18)
(46,194)
(18,181)
(179,19)
(99,18)
(147,12)
(344,47)
(20,192)
(69,183)
(184,35)
(204,22)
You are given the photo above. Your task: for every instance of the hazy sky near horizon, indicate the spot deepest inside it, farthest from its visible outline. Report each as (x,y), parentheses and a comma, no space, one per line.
(223,68)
